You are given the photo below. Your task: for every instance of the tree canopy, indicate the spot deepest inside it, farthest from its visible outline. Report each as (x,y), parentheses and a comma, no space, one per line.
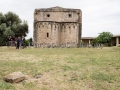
(104,37)
(11,25)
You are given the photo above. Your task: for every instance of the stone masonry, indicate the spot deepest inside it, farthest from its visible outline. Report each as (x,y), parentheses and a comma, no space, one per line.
(57,27)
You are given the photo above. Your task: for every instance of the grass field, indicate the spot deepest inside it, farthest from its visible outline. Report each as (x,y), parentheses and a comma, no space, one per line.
(62,68)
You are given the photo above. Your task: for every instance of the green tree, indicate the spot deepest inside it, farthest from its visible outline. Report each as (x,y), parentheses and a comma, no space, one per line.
(12,18)
(96,40)
(21,29)
(11,24)
(104,37)
(9,32)
(2,37)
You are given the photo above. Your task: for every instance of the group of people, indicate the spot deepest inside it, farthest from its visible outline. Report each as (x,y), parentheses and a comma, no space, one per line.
(16,41)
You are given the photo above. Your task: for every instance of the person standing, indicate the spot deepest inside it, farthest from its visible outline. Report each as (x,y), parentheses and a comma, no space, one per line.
(30,41)
(10,40)
(13,41)
(23,42)
(18,42)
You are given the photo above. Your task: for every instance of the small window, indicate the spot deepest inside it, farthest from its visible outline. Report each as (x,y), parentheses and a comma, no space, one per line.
(48,15)
(47,34)
(69,15)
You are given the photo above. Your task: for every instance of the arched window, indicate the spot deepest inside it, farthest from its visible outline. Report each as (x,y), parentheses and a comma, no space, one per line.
(47,34)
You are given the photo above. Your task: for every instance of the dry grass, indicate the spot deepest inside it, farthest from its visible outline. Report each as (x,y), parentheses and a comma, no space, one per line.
(62,68)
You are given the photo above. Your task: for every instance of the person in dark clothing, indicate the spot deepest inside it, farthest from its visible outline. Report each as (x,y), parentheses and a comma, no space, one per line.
(18,43)
(30,41)
(10,40)
(23,42)
(13,41)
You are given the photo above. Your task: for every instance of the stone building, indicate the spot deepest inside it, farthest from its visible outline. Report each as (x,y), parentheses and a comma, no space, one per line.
(57,27)
(114,42)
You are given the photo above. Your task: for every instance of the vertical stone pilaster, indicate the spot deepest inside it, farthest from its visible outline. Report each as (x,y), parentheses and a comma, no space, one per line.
(89,42)
(59,34)
(117,41)
(35,34)
(78,33)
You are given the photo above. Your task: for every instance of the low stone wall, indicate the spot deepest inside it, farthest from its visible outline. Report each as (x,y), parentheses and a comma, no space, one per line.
(54,45)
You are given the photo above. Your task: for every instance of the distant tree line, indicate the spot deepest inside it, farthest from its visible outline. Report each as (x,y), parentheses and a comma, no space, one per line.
(11,25)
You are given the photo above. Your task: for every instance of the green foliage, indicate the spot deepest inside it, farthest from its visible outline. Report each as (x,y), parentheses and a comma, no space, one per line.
(9,32)
(96,40)
(104,37)
(11,24)
(3,27)
(2,37)
(2,18)
(27,42)
(12,18)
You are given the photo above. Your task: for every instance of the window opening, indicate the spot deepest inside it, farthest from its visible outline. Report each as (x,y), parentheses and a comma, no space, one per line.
(69,15)
(48,15)
(47,34)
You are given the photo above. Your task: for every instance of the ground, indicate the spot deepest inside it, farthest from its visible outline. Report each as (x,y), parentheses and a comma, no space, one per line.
(62,68)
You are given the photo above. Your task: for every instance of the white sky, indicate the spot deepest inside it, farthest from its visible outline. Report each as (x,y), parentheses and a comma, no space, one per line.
(97,15)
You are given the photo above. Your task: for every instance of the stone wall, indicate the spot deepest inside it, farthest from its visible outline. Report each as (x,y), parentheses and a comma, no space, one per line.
(57,27)
(57,17)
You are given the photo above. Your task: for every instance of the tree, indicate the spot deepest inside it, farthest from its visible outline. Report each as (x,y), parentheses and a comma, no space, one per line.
(21,29)
(2,37)
(104,37)
(96,40)
(12,18)
(9,32)
(11,24)
(2,18)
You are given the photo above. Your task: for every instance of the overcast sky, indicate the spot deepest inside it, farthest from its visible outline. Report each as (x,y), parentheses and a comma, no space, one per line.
(97,15)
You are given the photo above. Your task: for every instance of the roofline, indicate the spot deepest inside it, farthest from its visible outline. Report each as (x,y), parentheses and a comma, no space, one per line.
(57,9)
(116,35)
(95,37)
(88,37)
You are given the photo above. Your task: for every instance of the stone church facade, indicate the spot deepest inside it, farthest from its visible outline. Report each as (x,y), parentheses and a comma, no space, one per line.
(57,27)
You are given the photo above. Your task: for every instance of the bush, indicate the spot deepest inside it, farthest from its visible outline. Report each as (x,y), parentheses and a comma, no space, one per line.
(27,42)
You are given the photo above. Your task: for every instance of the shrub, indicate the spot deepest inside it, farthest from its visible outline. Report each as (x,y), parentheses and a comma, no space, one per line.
(27,42)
